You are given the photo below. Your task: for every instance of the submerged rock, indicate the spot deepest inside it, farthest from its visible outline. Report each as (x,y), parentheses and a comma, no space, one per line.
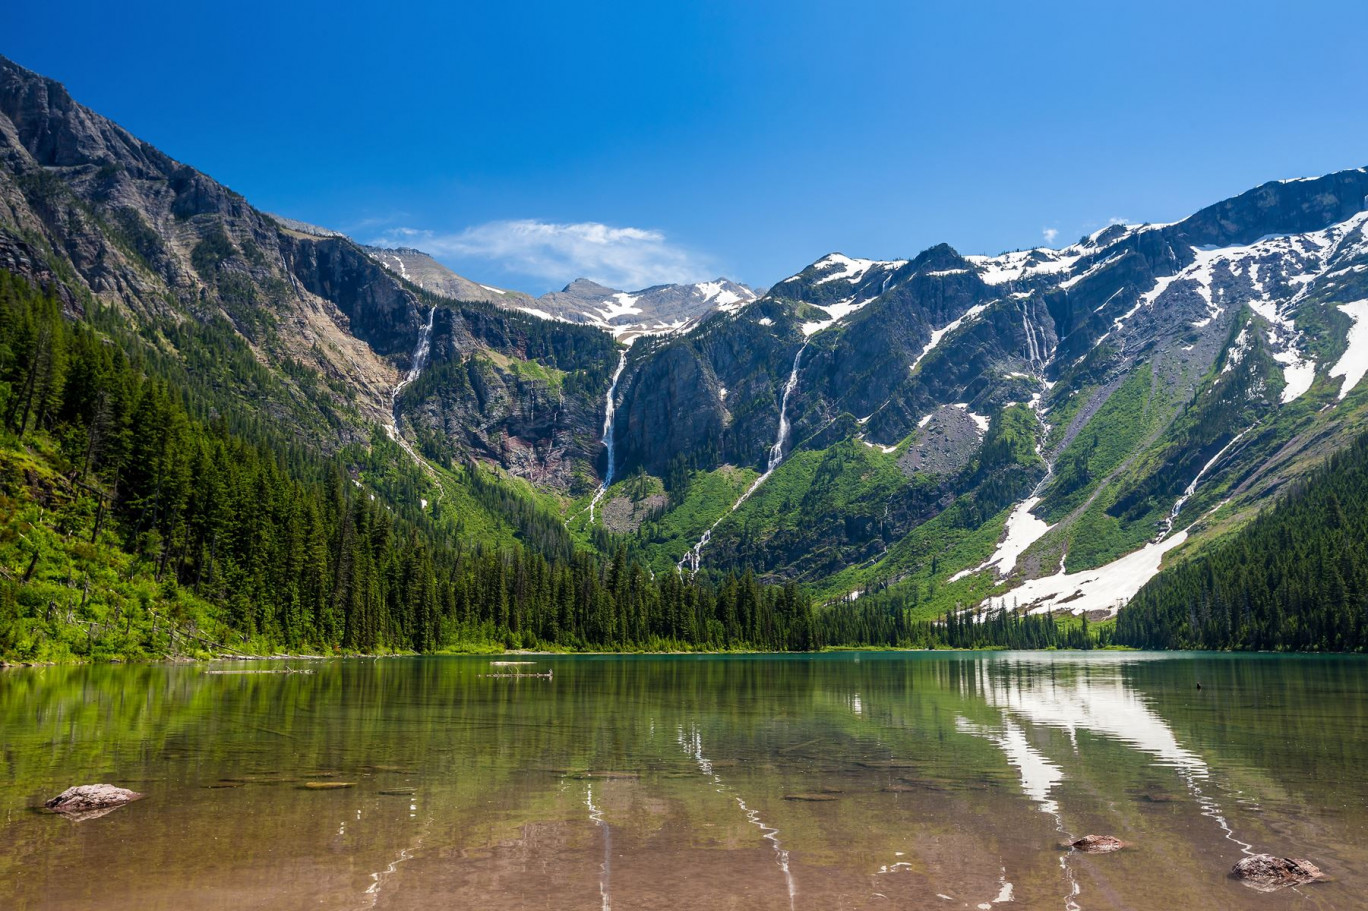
(90,801)
(1266,872)
(1098,844)
(1157,797)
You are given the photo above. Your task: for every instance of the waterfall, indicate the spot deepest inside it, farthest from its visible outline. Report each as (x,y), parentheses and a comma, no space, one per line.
(694,557)
(420,359)
(1035,337)
(609,416)
(777,450)
(1192,488)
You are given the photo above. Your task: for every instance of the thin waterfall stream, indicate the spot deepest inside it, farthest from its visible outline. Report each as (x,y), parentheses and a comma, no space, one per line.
(420,359)
(694,557)
(609,420)
(1192,487)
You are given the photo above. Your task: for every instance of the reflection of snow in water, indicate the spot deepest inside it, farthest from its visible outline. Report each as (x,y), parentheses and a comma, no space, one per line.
(1101,702)
(1005,891)
(1038,778)
(379,877)
(605,868)
(692,744)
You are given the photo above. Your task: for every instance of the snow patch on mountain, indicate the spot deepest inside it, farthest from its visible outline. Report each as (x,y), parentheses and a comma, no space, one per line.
(1104,588)
(838,266)
(1353,364)
(835,313)
(1297,373)
(725,296)
(1022,530)
(979,420)
(657,310)
(1020,265)
(938,334)
(620,304)
(842,267)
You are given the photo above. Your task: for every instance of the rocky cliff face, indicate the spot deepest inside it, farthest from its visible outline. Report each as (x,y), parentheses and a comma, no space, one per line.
(118,222)
(90,208)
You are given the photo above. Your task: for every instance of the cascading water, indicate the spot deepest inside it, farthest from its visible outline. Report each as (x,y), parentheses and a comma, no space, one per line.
(1192,488)
(694,557)
(777,450)
(609,416)
(1033,352)
(420,359)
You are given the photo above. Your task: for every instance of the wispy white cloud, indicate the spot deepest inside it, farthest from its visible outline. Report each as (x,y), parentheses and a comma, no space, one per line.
(629,258)
(1049,234)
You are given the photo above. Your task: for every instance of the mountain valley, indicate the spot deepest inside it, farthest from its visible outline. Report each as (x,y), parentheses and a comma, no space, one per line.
(1045,430)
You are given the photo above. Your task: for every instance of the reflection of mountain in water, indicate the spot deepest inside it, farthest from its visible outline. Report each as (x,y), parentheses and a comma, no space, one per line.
(1096,699)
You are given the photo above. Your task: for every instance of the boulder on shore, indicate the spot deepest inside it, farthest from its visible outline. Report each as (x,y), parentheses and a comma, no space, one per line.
(1098,844)
(89,801)
(1267,873)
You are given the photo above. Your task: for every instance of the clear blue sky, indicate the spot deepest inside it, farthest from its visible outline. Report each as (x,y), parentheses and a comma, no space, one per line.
(530,142)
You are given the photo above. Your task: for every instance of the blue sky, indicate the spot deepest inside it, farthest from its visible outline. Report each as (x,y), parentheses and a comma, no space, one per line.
(529,143)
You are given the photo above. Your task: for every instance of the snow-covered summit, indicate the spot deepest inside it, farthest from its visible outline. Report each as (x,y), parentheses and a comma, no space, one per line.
(655,310)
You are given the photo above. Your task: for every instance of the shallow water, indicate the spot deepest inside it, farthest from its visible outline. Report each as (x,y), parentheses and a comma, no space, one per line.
(852,781)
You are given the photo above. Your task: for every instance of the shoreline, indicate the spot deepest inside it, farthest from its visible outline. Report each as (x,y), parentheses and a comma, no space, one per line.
(223,659)
(182,660)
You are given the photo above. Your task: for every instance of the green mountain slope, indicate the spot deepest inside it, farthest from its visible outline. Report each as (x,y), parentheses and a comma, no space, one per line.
(1296,578)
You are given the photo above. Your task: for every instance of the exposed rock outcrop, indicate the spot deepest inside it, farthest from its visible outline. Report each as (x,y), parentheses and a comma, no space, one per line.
(1268,873)
(1098,844)
(90,801)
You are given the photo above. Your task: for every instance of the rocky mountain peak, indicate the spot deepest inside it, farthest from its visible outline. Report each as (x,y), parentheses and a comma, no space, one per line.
(587,287)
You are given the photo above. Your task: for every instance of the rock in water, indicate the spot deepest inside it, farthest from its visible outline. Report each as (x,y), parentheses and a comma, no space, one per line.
(90,801)
(1098,844)
(1266,872)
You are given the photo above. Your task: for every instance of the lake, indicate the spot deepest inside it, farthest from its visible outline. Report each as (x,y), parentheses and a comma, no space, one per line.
(837,781)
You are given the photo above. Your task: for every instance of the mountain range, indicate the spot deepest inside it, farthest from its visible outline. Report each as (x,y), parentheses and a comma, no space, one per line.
(1045,428)
(650,311)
